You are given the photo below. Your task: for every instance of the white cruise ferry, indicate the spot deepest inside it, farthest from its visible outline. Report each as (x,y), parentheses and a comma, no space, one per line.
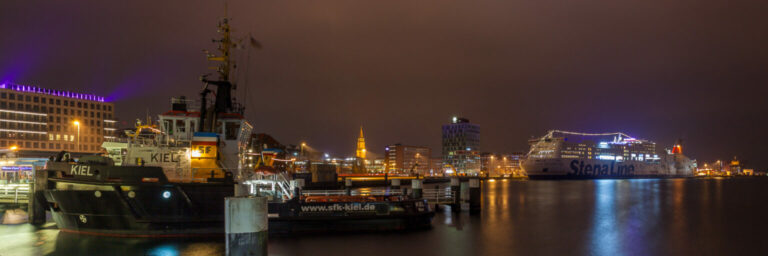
(574,155)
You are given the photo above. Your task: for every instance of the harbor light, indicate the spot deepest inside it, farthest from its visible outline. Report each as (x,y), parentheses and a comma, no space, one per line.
(14,148)
(166,194)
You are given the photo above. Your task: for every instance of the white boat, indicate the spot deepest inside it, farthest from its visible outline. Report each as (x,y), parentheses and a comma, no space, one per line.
(574,155)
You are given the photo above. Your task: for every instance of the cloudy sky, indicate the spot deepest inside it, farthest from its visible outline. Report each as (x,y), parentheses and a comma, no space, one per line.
(656,69)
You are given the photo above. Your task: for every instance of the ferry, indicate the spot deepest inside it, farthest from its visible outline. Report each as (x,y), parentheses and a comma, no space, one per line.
(576,155)
(170,178)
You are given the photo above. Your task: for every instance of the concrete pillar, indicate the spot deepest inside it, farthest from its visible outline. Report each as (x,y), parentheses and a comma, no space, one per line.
(246,225)
(474,196)
(417,187)
(395,183)
(37,203)
(456,193)
(242,190)
(348,186)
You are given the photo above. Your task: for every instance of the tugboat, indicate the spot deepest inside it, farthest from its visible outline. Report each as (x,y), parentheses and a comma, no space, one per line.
(170,178)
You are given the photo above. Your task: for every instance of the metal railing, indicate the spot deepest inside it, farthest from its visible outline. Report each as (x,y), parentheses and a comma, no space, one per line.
(378,192)
(438,195)
(13,193)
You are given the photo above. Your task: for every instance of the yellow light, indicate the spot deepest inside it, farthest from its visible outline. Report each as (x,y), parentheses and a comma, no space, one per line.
(303,144)
(196,153)
(77,123)
(491,180)
(14,148)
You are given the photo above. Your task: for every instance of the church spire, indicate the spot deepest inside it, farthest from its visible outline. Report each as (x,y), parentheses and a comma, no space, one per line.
(360,152)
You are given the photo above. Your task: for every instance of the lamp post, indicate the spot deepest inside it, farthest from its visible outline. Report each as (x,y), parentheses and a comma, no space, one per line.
(77,123)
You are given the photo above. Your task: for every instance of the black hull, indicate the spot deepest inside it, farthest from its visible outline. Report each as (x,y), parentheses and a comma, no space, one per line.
(201,213)
(584,177)
(191,210)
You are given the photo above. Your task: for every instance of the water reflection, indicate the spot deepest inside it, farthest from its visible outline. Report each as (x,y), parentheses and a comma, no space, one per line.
(601,217)
(604,234)
(74,244)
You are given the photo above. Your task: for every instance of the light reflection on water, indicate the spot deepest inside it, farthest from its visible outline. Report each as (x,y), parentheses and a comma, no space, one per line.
(601,217)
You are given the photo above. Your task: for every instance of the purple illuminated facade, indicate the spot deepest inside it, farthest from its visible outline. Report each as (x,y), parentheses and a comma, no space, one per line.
(35,119)
(34,89)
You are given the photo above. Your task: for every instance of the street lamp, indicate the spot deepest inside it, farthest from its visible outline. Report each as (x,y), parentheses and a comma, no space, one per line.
(77,123)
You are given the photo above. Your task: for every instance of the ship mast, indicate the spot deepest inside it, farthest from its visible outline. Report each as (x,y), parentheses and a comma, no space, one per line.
(223,102)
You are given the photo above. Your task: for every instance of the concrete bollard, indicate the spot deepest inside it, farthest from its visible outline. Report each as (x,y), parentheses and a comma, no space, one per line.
(395,183)
(456,193)
(474,196)
(242,190)
(246,225)
(417,188)
(348,186)
(37,203)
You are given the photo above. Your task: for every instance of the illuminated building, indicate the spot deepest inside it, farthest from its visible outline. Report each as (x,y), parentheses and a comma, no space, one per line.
(39,121)
(735,167)
(461,145)
(360,152)
(402,159)
(501,164)
(618,147)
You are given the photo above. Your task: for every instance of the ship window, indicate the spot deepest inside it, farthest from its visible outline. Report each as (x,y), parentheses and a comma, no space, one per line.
(232,129)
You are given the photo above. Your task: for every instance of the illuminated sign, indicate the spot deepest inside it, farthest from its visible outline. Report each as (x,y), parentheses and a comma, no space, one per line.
(16,168)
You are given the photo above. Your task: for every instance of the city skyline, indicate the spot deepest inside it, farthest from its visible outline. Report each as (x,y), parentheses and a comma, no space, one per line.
(656,79)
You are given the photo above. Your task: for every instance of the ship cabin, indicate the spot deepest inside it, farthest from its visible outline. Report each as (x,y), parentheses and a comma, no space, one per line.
(212,153)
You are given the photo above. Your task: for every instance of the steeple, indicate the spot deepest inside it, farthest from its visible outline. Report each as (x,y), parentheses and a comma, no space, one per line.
(360,152)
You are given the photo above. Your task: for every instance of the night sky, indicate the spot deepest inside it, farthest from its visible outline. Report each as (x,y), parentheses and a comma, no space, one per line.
(655,69)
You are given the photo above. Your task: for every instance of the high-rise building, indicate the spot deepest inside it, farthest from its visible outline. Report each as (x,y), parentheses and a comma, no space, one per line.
(38,120)
(402,159)
(461,146)
(360,152)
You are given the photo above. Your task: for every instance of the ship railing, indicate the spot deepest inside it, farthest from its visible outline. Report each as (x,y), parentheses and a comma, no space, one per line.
(150,142)
(272,185)
(365,192)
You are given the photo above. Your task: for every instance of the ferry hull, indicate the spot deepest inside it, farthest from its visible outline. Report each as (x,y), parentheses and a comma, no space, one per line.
(580,169)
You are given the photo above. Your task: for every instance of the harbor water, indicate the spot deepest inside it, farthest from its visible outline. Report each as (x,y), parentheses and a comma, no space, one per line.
(713,216)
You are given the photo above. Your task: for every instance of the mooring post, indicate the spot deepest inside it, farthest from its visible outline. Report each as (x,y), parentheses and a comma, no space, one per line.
(417,188)
(348,186)
(395,183)
(242,190)
(474,195)
(246,225)
(456,194)
(37,204)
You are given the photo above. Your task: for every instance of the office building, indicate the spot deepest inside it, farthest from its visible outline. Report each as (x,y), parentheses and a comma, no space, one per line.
(403,159)
(38,121)
(461,147)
